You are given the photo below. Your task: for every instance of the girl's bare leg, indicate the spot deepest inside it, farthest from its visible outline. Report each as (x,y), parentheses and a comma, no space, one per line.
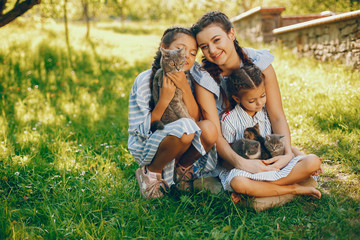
(254,188)
(208,138)
(171,147)
(301,171)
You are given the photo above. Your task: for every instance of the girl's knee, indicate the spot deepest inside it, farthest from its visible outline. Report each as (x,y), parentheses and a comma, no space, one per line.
(240,184)
(186,139)
(208,132)
(312,163)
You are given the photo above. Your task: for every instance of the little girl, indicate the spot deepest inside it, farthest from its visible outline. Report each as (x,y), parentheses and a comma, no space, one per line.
(166,157)
(246,90)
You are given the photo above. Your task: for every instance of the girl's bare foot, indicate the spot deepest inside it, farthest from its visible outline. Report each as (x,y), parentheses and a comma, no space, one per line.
(235,197)
(303,190)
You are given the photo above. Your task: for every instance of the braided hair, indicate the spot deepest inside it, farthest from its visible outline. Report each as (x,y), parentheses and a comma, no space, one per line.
(169,36)
(242,80)
(221,20)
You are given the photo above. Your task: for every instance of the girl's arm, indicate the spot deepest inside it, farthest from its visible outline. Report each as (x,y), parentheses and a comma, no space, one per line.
(166,94)
(277,117)
(179,79)
(207,105)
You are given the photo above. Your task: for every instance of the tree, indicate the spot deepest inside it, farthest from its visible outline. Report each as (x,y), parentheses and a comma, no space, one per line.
(19,9)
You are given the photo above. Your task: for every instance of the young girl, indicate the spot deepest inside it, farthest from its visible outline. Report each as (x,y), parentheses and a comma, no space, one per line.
(180,143)
(215,36)
(246,91)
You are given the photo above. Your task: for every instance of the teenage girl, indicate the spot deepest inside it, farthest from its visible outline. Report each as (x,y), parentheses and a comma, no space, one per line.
(215,36)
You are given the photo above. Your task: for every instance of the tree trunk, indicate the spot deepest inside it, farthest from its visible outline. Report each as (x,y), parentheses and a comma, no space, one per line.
(67,34)
(85,4)
(19,9)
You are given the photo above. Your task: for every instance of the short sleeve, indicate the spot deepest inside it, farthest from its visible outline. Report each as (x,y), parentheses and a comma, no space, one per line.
(261,58)
(204,79)
(227,129)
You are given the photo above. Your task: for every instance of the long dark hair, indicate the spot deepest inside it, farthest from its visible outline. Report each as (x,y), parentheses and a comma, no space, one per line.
(242,80)
(170,35)
(221,20)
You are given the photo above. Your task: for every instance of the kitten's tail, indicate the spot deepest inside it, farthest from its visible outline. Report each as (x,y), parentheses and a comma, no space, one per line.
(157,125)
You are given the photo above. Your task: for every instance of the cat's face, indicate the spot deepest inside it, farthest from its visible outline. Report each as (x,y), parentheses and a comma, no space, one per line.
(274,143)
(172,60)
(190,46)
(252,149)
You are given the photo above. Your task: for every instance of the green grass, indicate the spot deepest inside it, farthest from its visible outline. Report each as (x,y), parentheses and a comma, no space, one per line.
(66,173)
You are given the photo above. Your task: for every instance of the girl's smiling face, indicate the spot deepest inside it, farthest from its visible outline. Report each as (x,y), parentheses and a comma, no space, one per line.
(217,45)
(189,44)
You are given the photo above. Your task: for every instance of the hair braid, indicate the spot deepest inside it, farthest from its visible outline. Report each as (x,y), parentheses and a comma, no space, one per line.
(242,80)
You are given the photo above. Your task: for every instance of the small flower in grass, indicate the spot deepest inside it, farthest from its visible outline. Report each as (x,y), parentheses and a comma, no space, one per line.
(16,173)
(82,173)
(14,222)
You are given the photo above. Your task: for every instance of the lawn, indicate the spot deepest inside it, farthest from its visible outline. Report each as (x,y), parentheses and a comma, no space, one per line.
(66,173)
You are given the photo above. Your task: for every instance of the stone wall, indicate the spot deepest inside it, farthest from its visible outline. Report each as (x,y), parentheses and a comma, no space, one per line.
(257,24)
(331,38)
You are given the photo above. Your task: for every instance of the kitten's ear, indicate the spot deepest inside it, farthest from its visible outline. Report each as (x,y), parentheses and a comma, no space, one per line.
(267,138)
(181,50)
(163,51)
(256,126)
(282,138)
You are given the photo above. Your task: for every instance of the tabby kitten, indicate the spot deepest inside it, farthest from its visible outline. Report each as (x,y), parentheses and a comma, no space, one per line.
(249,149)
(171,61)
(272,145)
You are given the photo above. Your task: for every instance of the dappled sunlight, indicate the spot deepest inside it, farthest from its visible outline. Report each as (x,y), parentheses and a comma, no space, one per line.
(3,128)
(338,179)
(36,108)
(5,150)
(28,137)
(21,160)
(89,105)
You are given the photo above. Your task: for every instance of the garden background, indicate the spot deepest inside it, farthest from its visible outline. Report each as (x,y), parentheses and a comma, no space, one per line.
(65,171)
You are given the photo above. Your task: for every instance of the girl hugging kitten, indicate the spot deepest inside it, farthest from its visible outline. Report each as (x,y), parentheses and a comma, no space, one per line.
(245,88)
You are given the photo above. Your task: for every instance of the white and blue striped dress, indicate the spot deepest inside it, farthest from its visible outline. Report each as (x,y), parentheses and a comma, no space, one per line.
(237,120)
(143,143)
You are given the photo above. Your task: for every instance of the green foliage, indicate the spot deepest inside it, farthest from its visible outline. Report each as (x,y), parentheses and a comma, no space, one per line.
(66,173)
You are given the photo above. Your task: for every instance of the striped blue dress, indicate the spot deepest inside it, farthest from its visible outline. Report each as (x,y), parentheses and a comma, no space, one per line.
(143,144)
(234,124)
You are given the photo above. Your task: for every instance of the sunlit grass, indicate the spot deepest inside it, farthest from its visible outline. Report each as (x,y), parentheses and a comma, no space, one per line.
(66,173)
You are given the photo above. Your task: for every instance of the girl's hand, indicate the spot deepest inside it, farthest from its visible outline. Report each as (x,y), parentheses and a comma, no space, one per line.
(167,91)
(255,166)
(179,79)
(279,161)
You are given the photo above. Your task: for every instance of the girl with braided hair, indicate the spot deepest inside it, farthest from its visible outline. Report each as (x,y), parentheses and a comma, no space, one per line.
(247,96)
(215,36)
(169,156)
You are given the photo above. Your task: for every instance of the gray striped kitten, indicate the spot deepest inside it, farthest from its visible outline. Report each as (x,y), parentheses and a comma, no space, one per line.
(171,61)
